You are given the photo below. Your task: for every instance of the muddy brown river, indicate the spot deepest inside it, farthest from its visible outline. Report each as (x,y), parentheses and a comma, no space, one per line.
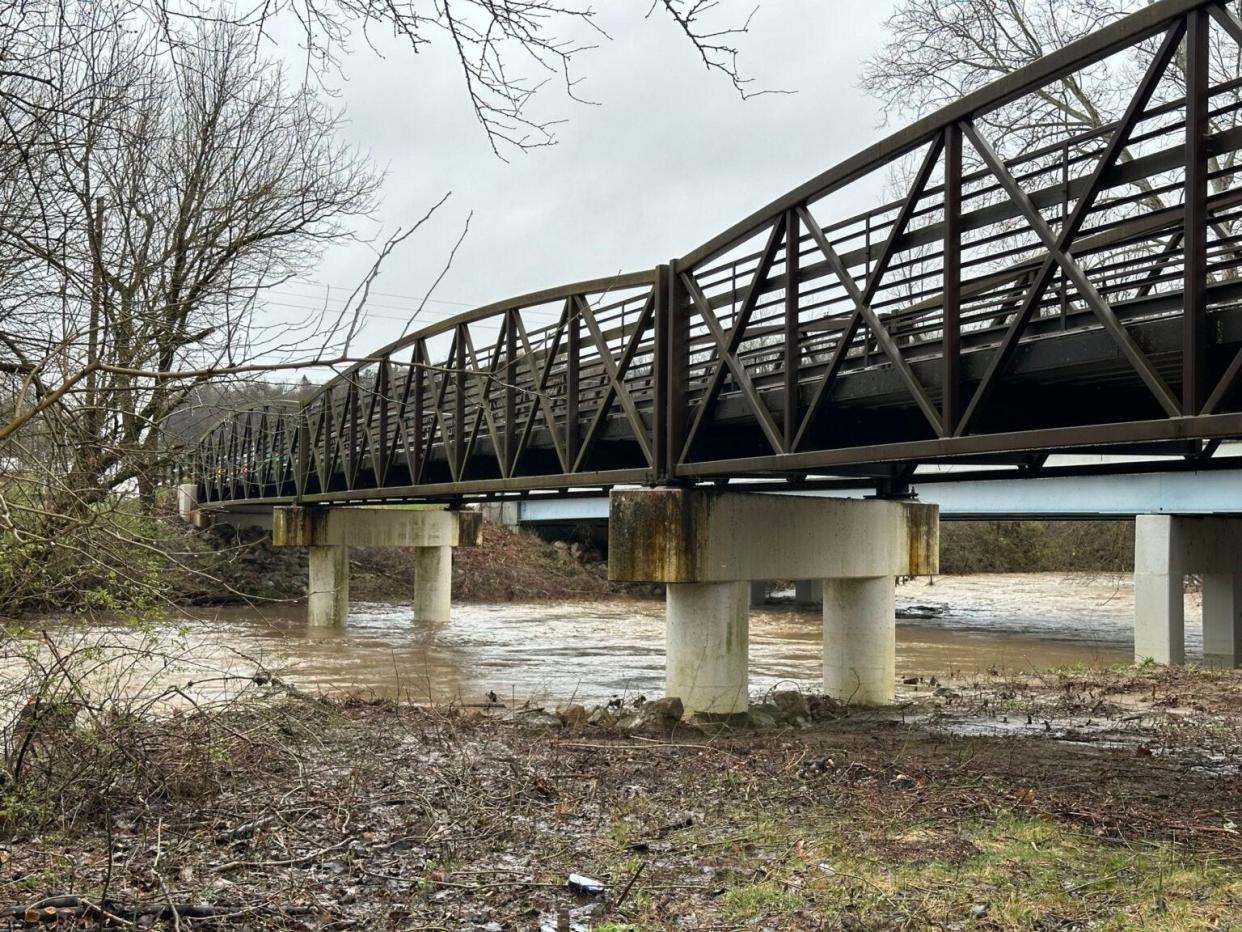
(598,649)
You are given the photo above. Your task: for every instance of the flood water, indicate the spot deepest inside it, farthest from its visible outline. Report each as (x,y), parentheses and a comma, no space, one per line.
(597,649)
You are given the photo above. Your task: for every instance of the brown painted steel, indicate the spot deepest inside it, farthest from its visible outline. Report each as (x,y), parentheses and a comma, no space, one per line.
(1044,302)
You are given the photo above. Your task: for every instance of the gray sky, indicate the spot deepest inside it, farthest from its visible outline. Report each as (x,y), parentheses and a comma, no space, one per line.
(671,157)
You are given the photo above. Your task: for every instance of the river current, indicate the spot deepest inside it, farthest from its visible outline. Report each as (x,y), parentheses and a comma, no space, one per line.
(594,650)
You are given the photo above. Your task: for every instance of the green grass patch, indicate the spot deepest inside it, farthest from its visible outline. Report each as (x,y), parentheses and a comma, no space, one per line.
(759,899)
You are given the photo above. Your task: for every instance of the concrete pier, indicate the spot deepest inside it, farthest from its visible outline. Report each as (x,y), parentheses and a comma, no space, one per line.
(708,545)
(707,646)
(1167,548)
(1222,619)
(860,639)
(327,595)
(433,583)
(330,532)
(809,591)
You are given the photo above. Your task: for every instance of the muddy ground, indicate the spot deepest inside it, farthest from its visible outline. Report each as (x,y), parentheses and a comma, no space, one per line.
(1079,800)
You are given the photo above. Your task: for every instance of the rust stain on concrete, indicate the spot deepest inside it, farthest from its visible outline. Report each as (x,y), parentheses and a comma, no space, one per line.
(922,539)
(654,535)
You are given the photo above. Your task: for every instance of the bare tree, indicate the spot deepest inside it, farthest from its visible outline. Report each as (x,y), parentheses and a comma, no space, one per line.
(938,51)
(167,206)
(507,52)
(157,176)
(153,201)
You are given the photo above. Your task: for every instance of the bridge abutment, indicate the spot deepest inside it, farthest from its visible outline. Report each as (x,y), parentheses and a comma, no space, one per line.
(707,546)
(330,532)
(1167,548)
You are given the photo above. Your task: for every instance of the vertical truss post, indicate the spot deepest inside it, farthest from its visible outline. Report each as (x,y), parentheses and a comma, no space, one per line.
(660,449)
(351,412)
(416,461)
(951,344)
(301,444)
(677,361)
(1194,304)
(459,403)
(793,351)
(510,390)
(383,458)
(573,363)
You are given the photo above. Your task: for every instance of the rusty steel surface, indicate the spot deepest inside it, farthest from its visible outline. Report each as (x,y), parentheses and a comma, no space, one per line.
(1085,295)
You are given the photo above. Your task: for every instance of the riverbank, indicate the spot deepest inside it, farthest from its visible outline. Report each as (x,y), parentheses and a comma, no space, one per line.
(1080,799)
(227,568)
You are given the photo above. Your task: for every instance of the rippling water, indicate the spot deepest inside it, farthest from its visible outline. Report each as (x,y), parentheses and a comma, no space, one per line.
(597,649)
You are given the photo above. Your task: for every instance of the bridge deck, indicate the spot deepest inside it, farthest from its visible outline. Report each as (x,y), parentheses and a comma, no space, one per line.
(1009,304)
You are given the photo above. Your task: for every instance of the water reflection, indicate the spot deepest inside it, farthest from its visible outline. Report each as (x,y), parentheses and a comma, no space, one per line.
(596,649)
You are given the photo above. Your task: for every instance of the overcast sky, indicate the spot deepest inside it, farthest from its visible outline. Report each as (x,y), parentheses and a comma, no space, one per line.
(669,158)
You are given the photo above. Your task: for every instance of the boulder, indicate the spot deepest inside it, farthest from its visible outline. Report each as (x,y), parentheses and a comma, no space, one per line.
(823,707)
(668,710)
(791,705)
(764,716)
(601,717)
(571,714)
(661,715)
(538,718)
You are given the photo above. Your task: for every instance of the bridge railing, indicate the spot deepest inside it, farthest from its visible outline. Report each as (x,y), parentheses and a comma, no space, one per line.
(460,402)
(988,253)
(816,336)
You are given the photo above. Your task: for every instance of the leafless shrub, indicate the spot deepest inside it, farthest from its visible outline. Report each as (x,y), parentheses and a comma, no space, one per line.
(101,722)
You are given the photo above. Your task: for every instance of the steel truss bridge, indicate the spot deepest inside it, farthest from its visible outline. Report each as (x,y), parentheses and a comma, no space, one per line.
(1084,296)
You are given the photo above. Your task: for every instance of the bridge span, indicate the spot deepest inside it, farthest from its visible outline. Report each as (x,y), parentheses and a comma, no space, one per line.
(1106,495)
(1014,303)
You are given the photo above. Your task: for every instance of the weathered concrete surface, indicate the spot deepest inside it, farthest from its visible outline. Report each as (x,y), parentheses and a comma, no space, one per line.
(860,640)
(708,546)
(297,526)
(327,596)
(1166,549)
(433,583)
(809,591)
(330,532)
(187,501)
(707,646)
(708,535)
(1222,619)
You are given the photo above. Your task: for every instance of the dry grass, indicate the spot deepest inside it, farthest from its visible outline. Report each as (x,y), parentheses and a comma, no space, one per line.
(367,815)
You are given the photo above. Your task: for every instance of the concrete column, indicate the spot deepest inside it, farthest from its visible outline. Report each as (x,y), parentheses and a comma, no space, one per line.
(433,583)
(187,501)
(860,639)
(707,640)
(327,601)
(706,545)
(809,591)
(1159,619)
(758,592)
(1222,619)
